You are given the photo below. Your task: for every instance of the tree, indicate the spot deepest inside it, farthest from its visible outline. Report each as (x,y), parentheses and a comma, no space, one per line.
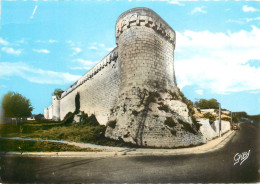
(39,117)
(77,103)
(16,106)
(58,92)
(207,104)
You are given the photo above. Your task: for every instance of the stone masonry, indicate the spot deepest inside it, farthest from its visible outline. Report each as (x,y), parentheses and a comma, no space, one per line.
(133,89)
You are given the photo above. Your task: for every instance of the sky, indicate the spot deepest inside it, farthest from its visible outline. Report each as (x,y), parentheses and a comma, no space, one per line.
(50,44)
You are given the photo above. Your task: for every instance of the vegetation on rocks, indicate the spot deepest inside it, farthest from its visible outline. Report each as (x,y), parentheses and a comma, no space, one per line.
(226,119)
(164,107)
(170,122)
(112,124)
(209,116)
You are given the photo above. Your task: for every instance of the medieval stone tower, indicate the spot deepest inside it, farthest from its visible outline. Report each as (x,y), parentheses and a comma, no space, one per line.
(149,110)
(133,89)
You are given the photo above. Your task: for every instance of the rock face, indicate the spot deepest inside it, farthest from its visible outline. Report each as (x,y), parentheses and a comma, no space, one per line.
(133,89)
(149,110)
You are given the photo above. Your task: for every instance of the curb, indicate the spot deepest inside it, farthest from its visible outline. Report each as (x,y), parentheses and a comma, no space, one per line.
(210,146)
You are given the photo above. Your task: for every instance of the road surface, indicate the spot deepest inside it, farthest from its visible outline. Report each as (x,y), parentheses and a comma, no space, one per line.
(215,166)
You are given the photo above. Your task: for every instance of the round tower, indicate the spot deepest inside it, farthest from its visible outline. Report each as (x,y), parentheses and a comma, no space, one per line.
(56,108)
(150,110)
(145,51)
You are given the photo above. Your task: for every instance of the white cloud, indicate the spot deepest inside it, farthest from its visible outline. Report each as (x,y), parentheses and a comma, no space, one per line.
(76,51)
(252,19)
(21,41)
(3,42)
(35,75)
(240,21)
(199,92)
(199,10)
(218,61)
(84,64)
(93,48)
(110,49)
(10,50)
(71,43)
(175,2)
(246,8)
(243,20)
(48,41)
(52,41)
(100,47)
(34,10)
(44,51)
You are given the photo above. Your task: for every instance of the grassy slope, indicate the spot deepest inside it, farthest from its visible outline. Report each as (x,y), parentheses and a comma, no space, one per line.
(28,146)
(59,131)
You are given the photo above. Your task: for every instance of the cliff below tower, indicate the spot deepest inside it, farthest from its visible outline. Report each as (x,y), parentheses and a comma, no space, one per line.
(150,110)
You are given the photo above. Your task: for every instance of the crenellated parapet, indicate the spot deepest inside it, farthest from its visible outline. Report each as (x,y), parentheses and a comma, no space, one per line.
(144,17)
(111,57)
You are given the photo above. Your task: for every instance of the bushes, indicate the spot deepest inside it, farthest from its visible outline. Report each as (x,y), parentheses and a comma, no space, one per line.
(112,124)
(152,97)
(88,120)
(170,122)
(226,119)
(92,120)
(187,102)
(209,116)
(186,126)
(39,117)
(164,107)
(68,119)
(174,95)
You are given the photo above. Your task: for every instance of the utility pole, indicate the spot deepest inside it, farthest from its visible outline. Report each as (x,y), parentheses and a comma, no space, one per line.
(219,105)
(231,118)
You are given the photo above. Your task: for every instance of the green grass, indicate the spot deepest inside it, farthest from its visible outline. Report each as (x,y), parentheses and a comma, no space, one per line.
(7,145)
(51,130)
(26,128)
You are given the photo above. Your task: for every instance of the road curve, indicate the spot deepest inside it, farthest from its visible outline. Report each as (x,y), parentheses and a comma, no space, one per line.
(217,166)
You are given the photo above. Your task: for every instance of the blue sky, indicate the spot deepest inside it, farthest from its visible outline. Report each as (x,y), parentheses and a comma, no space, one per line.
(49,44)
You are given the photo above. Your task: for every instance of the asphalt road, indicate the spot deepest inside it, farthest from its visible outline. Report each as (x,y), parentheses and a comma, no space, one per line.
(215,166)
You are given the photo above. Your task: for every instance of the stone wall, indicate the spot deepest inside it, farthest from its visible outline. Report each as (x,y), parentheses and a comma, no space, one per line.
(133,89)
(211,131)
(98,90)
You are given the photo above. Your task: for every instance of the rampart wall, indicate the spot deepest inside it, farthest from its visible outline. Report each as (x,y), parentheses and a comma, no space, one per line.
(98,90)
